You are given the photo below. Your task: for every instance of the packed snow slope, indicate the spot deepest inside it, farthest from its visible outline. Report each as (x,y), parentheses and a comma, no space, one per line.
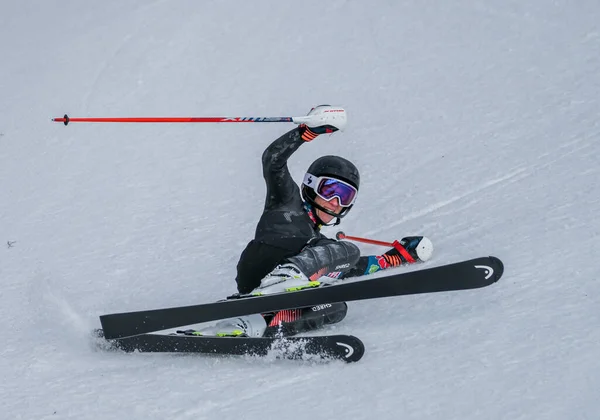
(474,123)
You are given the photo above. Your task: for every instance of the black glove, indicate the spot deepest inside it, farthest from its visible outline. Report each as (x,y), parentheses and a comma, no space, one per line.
(409,250)
(321,119)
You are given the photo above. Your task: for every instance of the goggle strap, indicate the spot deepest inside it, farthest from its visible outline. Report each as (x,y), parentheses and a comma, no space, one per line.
(310,180)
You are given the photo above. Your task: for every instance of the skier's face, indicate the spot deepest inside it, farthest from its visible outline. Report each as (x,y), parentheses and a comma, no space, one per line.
(333,206)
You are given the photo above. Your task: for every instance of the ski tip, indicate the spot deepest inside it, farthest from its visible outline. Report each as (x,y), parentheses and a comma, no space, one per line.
(355,349)
(499,267)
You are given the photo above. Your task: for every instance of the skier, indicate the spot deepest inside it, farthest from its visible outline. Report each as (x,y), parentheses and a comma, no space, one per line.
(289,252)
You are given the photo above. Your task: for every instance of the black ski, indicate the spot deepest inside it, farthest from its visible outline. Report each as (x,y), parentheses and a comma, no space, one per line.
(471,274)
(343,347)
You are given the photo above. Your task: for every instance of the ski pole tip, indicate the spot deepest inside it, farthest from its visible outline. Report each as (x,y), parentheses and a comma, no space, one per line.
(64,119)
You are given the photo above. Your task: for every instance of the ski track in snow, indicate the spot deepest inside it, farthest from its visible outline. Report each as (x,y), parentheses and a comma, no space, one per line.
(436,206)
(546,160)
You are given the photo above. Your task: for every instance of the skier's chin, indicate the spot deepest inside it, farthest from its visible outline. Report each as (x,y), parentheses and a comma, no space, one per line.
(325,217)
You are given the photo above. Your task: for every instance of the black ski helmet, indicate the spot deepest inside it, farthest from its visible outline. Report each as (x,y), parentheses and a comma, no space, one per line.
(336,167)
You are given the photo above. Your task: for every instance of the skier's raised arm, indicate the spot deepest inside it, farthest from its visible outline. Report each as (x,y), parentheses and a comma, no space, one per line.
(281,188)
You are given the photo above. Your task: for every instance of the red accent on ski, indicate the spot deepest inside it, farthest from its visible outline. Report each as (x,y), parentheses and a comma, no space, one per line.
(287,315)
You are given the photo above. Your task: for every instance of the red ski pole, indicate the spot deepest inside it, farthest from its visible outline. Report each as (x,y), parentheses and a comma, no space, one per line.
(66,119)
(335,116)
(342,235)
(408,258)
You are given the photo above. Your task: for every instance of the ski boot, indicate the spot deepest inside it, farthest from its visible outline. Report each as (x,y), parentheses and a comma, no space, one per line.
(294,321)
(284,278)
(243,326)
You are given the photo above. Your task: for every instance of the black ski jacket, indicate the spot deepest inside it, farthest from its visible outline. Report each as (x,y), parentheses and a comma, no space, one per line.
(286,228)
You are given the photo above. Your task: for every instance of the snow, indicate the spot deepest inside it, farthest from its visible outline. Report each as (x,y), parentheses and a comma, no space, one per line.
(475,123)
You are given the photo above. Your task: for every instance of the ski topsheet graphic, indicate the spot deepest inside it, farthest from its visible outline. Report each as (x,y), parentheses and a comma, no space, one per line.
(471,274)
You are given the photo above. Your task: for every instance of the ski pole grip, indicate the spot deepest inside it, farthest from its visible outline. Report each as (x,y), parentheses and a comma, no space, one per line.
(403,252)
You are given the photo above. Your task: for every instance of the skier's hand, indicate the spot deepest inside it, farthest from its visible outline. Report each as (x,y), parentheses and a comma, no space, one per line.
(409,249)
(390,259)
(321,119)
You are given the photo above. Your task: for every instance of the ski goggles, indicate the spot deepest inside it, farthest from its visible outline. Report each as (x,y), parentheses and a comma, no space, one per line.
(327,188)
